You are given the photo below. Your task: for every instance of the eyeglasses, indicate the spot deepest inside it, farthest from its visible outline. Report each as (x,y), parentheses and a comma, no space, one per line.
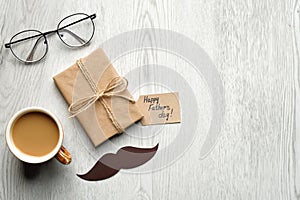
(31,46)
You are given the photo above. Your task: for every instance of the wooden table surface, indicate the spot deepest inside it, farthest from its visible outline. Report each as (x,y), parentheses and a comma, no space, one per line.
(255,48)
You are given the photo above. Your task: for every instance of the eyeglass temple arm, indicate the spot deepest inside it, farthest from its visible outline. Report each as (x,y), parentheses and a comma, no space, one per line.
(79,39)
(7,45)
(30,56)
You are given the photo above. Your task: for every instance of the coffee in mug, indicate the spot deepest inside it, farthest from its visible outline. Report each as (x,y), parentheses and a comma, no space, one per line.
(35,135)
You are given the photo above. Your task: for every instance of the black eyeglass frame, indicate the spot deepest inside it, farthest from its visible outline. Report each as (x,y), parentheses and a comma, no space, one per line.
(44,34)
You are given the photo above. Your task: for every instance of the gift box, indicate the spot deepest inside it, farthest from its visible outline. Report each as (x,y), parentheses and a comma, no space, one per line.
(98,97)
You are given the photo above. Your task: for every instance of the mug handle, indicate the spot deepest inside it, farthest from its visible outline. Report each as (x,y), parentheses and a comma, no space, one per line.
(63,156)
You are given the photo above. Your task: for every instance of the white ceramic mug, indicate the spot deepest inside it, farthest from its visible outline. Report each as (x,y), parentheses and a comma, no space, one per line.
(59,151)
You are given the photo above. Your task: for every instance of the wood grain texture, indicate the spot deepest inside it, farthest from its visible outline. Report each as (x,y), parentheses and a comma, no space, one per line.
(254,45)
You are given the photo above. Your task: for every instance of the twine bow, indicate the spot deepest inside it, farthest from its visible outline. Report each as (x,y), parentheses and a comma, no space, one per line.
(114,88)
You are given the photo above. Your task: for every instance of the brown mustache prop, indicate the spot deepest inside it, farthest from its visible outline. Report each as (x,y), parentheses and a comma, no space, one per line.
(126,158)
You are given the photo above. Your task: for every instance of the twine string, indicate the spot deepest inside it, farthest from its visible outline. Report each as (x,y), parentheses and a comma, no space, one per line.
(114,88)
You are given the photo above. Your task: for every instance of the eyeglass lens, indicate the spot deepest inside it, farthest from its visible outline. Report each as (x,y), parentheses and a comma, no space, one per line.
(78,34)
(30,50)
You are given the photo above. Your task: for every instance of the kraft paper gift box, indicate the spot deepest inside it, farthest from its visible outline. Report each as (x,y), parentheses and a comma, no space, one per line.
(103,112)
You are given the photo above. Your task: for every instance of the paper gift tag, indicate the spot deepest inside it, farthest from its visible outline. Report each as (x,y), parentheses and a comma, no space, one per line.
(159,108)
